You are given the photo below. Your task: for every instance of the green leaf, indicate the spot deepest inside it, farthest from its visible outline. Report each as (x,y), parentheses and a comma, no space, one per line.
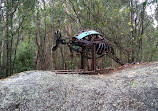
(144,3)
(127,10)
(129,23)
(144,36)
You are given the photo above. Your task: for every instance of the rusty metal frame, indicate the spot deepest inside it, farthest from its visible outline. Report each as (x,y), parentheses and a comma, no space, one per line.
(98,45)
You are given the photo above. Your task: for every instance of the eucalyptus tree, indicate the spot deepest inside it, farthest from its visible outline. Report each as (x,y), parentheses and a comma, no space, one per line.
(14,14)
(123,22)
(27,29)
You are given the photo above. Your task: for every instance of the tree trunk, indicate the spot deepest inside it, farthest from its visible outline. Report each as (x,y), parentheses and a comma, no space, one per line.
(7,44)
(2,46)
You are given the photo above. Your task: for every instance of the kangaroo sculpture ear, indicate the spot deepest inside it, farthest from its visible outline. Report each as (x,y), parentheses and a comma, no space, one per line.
(55,36)
(59,33)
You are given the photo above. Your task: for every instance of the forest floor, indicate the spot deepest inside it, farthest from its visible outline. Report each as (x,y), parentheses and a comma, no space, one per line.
(129,88)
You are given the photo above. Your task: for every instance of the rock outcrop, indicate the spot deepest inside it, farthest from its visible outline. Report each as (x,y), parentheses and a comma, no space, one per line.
(131,89)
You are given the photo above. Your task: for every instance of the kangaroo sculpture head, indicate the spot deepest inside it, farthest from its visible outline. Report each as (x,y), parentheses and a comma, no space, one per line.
(58,40)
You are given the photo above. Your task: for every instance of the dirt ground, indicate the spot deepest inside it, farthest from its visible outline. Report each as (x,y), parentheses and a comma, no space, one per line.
(128,88)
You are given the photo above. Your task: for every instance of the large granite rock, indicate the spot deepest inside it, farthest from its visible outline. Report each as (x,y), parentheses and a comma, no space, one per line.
(132,89)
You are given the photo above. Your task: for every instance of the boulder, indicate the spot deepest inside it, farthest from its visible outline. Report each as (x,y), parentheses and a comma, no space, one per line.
(131,89)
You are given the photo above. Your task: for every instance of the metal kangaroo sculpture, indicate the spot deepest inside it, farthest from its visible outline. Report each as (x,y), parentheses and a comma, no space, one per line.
(90,44)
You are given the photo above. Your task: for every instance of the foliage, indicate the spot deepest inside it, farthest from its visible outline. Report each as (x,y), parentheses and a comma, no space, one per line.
(25,57)
(27,38)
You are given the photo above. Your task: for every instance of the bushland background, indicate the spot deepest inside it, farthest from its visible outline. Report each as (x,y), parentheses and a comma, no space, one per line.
(27,28)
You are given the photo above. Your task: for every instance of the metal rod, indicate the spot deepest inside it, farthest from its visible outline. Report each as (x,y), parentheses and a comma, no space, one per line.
(82,59)
(93,65)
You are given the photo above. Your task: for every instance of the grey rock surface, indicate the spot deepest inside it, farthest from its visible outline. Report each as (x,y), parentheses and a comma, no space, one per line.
(131,89)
